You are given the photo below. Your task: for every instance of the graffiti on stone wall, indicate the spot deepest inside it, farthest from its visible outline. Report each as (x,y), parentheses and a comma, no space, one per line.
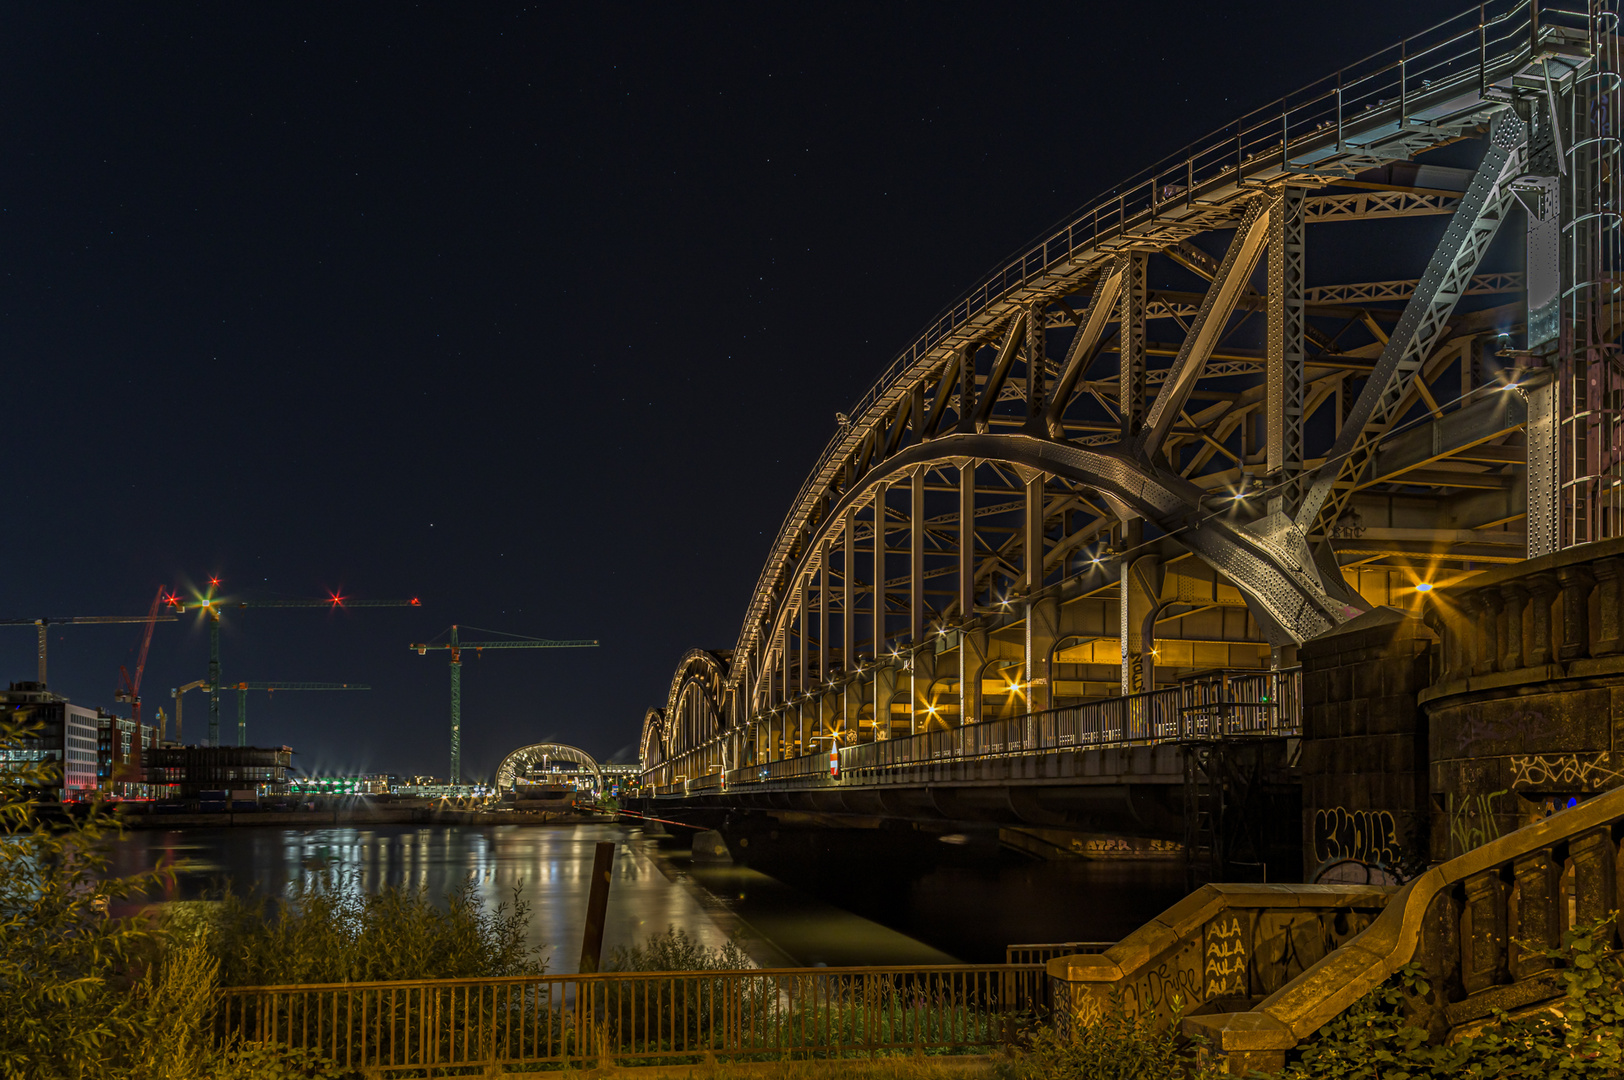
(1474,728)
(1176,981)
(1371,836)
(1118,847)
(1225,968)
(1471,821)
(1566,772)
(1288,943)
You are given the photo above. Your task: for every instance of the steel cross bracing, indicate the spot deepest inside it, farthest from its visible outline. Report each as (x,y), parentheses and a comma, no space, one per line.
(1162,383)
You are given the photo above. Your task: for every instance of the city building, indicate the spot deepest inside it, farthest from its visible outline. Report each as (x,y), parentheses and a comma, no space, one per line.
(121,744)
(186,772)
(67,735)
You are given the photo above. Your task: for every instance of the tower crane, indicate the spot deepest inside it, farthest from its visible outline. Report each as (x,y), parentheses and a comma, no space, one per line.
(44,626)
(213,605)
(129,689)
(456,646)
(242,689)
(179,694)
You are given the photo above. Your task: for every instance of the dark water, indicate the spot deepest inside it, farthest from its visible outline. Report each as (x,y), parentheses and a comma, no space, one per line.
(840,904)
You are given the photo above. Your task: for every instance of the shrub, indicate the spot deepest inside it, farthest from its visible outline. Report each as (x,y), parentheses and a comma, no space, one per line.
(674,950)
(1113,1047)
(331,931)
(86,995)
(67,971)
(1583,1036)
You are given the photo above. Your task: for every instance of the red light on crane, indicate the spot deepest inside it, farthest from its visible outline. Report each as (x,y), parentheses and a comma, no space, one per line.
(214,583)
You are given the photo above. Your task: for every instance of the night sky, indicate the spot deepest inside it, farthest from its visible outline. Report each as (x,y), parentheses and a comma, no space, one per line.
(540,314)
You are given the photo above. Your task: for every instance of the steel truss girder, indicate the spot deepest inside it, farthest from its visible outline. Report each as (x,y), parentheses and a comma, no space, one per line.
(1421,326)
(1284,589)
(1062,263)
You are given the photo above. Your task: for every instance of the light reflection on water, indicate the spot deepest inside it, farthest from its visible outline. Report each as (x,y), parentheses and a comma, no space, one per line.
(553,864)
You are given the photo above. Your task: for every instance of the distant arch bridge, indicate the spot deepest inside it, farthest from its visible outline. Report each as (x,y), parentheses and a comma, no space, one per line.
(516,765)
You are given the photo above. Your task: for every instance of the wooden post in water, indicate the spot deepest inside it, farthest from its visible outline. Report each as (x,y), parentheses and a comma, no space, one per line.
(597,903)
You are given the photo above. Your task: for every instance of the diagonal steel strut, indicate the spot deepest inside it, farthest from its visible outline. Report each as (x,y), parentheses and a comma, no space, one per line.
(1228,283)
(1386,395)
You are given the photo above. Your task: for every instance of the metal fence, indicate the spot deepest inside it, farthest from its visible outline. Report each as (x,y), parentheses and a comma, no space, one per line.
(1042,954)
(424,1026)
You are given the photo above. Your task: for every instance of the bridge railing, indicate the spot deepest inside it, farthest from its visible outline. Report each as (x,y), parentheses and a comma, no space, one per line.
(1226,705)
(1231,705)
(1308,129)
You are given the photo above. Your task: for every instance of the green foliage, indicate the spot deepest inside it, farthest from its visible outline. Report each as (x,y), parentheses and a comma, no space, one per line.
(180,1044)
(1582,1037)
(1114,1046)
(332,931)
(674,950)
(67,971)
(84,995)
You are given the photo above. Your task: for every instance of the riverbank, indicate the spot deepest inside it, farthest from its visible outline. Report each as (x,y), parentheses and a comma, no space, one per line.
(354,816)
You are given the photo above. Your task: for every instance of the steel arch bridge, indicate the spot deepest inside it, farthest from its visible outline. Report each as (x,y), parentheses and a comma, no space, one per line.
(1173,435)
(513,766)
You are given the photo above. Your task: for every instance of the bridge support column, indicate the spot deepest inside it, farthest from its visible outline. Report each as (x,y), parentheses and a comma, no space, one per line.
(972,658)
(851,710)
(1541,199)
(921,674)
(1365,765)
(885,688)
(823,615)
(916,558)
(1042,630)
(967,540)
(879,571)
(1284,388)
(848,595)
(1141,590)
(1131,343)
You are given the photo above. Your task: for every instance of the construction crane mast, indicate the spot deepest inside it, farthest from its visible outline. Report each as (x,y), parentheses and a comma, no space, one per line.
(179,694)
(456,646)
(44,627)
(242,689)
(129,689)
(213,605)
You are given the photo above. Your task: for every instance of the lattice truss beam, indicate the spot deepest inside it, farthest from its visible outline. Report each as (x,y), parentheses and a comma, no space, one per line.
(1200,443)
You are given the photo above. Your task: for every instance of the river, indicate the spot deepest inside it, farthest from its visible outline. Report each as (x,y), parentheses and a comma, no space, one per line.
(839,909)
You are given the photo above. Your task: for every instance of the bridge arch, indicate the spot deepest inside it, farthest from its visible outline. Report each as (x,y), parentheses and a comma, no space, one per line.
(513,766)
(1095,472)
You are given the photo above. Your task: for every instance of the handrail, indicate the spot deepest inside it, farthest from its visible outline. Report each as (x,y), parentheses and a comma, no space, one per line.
(1529,621)
(1518,892)
(1221,941)
(1310,127)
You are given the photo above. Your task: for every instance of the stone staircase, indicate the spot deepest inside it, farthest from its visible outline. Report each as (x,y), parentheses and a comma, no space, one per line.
(1260,968)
